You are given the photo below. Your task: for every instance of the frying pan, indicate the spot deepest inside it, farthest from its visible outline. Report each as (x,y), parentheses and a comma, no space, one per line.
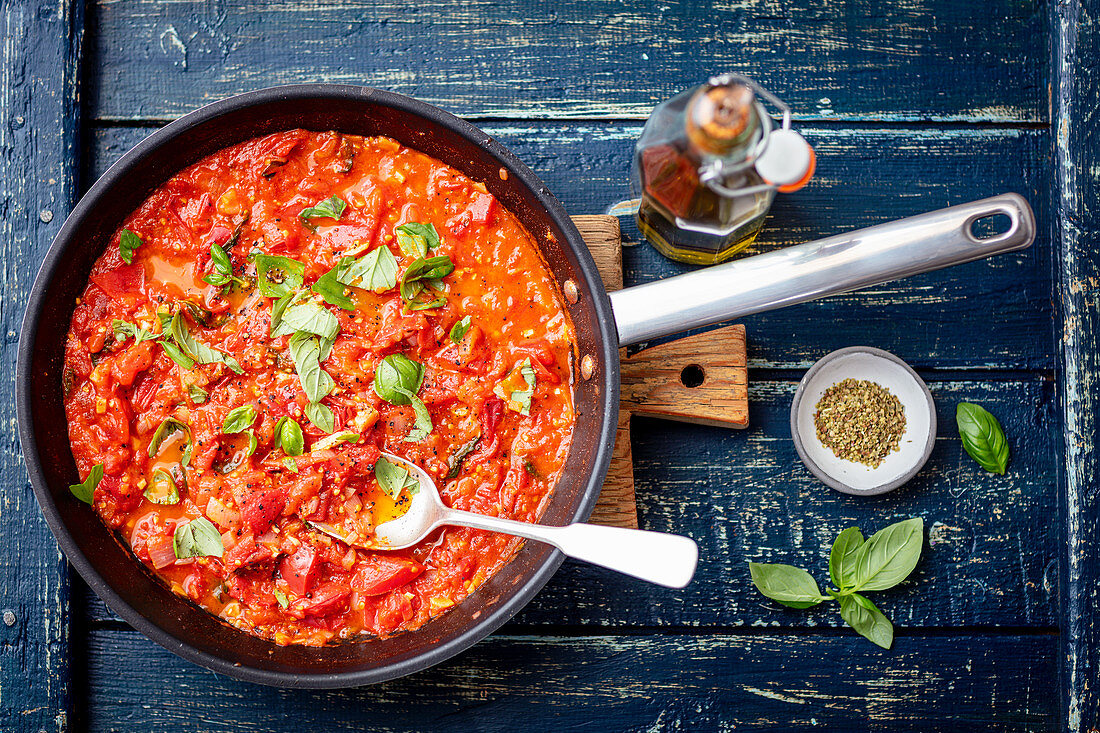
(602,324)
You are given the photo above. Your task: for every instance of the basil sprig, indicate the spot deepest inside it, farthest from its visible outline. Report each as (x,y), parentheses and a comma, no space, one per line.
(331,208)
(458,331)
(393,479)
(422,273)
(222,276)
(855,565)
(127,243)
(397,380)
(415,239)
(86,488)
(197,538)
(276,276)
(239,419)
(982,437)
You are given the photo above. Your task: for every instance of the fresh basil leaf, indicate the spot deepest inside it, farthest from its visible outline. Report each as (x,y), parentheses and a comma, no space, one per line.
(842,559)
(413,284)
(786,584)
(177,356)
(331,208)
(239,419)
(252,443)
(291,464)
(308,317)
(982,437)
(279,307)
(415,239)
(162,489)
(276,276)
(85,490)
(454,465)
(128,242)
(322,416)
(459,329)
(280,598)
(169,426)
(522,397)
(288,436)
(201,353)
(197,394)
(423,426)
(222,275)
(331,440)
(305,350)
(122,329)
(376,271)
(396,376)
(329,287)
(889,555)
(393,479)
(862,616)
(421,303)
(197,538)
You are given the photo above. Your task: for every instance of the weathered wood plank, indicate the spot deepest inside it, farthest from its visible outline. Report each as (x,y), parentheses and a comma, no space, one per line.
(1076,190)
(964,683)
(990,314)
(744,495)
(848,59)
(39,61)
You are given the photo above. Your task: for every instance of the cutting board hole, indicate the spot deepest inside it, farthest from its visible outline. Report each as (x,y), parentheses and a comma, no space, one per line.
(990,226)
(692,375)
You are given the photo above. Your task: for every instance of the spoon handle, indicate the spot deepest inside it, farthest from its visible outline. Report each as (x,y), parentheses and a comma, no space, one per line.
(664,559)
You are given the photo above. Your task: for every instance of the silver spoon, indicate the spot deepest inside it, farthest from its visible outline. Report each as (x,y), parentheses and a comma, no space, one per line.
(665,559)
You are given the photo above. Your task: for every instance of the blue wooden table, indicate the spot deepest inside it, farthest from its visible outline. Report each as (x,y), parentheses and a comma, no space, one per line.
(910,106)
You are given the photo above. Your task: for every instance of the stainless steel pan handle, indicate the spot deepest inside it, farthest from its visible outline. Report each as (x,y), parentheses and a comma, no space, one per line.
(825,267)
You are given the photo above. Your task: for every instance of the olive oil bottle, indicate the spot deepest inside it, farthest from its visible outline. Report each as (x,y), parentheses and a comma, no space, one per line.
(707,167)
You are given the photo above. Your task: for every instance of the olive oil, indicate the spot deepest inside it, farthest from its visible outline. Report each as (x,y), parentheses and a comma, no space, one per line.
(702,197)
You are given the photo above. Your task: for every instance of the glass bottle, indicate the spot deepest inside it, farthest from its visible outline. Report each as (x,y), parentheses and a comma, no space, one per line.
(707,167)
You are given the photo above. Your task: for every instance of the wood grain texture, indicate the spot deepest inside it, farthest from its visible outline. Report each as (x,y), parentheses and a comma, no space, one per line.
(990,559)
(1076,55)
(653,379)
(615,507)
(600,683)
(39,60)
(844,59)
(993,314)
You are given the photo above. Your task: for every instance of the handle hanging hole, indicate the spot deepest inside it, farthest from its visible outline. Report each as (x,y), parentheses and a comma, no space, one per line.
(692,376)
(988,227)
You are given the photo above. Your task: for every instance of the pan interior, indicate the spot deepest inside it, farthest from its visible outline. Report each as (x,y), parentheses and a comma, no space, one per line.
(106,563)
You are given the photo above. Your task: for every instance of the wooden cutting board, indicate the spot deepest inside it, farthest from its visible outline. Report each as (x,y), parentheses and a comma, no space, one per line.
(699,379)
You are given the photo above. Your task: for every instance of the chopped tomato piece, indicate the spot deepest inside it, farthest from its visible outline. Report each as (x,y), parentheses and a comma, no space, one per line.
(300,569)
(123,281)
(481,208)
(380,574)
(261,508)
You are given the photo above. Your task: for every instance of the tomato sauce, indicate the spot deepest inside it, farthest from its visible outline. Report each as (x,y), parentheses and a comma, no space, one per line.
(265,324)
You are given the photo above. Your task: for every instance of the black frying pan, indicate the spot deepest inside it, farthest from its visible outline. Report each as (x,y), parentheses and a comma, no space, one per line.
(750,285)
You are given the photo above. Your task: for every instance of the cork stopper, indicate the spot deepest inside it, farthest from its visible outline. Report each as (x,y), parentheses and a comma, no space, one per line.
(719,117)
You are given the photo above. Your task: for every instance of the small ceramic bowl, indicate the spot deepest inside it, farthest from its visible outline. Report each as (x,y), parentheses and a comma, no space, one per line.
(887,370)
